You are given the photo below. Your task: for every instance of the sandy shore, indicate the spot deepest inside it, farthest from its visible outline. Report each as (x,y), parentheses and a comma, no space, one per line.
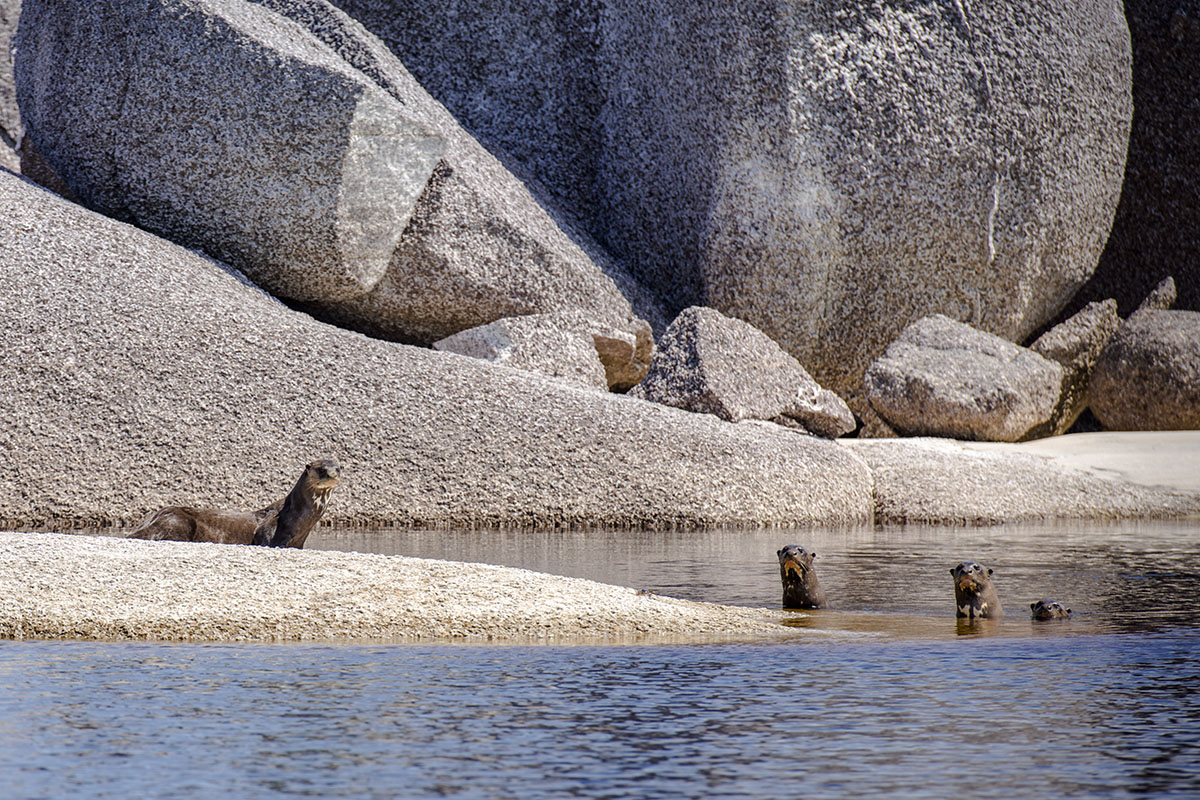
(55,586)
(1163,459)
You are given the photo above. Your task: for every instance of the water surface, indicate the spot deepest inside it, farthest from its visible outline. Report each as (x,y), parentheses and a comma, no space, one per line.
(893,698)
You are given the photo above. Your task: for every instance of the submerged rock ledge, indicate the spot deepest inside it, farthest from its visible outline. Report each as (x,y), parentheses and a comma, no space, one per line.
(59,586)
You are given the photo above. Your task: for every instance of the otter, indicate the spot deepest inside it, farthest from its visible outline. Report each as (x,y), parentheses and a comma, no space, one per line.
(1048,609)
(974,594)
(284,523)
(801,589)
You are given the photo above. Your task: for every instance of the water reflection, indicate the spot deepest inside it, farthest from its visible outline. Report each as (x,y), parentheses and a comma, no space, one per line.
(1135,577)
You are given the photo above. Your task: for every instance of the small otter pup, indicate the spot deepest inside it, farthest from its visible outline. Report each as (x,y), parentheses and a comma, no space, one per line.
(974,595)
(801,589)
(1048,609)
(284,523)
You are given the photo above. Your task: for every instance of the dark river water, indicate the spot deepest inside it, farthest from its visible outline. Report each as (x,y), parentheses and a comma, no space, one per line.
(886,695)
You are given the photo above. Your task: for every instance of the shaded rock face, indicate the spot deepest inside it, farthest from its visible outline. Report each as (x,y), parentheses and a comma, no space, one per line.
(803,165)
(141,371)
(522,76)
(1156,231)
(1162,297)
(481,245)
(1076,344)
(712,364)
(1148,377)
(283,138)
(945,378)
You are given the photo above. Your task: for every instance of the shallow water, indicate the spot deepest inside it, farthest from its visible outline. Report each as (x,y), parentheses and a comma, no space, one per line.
(894,698)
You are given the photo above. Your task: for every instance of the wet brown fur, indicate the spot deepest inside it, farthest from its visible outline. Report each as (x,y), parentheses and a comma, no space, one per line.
(974,594)
(284,523)
(801,589)
(1048,609)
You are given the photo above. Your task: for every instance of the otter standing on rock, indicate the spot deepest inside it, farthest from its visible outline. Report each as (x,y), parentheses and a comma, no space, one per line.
(284,523)
(974,594)
(1048,609)
(801,589)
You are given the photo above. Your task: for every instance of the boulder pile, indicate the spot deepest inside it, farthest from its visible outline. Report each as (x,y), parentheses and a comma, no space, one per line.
(271,242)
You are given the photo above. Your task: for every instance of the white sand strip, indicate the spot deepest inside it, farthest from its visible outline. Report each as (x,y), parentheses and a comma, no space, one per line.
(55,586)
(1168,459)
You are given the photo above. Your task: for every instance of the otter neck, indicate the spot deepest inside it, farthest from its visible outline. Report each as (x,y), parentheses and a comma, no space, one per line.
(301,511)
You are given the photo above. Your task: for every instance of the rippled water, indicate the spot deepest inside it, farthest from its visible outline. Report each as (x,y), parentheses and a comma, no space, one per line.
(893,698)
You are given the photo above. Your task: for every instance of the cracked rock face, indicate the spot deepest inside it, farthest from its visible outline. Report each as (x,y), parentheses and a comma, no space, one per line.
(228,128)
(944,378)
(281,137)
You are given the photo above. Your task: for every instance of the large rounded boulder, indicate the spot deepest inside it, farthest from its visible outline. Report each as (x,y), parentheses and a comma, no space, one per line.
(831,172)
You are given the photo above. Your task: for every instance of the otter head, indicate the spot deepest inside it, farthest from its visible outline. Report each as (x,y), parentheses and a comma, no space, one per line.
(974,594)
(1048,609)
(794,563)
(322,474)
(970,577)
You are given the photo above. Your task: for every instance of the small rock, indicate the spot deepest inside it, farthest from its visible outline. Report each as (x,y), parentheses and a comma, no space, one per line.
(1076,344)
(552,344)
(1148,377)
(945,378)
(712,364)
(1161,297)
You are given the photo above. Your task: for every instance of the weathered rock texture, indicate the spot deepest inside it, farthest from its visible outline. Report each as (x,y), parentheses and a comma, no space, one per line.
(138,374)
(296,147)
(1156,231)
(550,344)
(712,364)
(54,586)
(943,482)
(1148,378)
(803,165)
(945,378)
(10,115)
(1076,344)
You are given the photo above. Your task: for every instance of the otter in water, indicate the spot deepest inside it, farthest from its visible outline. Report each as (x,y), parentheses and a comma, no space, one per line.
(974,595)
(1048,609)
(284,523)
(801,589)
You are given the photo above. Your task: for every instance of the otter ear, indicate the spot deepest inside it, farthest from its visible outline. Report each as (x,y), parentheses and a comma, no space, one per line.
(1032,606)
(779,552)
(952,570)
